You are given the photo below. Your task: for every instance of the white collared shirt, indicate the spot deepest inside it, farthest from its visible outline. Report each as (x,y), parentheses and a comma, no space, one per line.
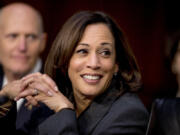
(36,68)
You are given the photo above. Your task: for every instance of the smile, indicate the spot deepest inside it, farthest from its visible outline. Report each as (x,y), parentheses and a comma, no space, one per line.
(91,79)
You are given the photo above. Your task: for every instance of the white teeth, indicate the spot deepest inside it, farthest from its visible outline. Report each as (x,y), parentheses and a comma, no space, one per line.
(90,77)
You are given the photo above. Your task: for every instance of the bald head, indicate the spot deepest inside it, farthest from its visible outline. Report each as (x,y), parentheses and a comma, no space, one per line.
(15,12)
(21,39)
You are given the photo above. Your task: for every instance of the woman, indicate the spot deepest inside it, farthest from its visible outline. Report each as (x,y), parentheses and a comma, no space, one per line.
(97,77)
(173,61)
(165,112)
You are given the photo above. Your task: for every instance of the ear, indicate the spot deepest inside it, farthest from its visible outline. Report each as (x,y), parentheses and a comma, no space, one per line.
(43,42)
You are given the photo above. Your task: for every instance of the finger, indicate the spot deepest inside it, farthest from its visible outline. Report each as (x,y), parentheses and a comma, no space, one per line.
(31,75)
(41,78)
(31,100)
(41,97)
(25,93)
(42,87)
(49,81)
(30,78)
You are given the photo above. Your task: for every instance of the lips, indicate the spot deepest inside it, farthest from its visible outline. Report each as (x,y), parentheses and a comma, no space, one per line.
(20,57)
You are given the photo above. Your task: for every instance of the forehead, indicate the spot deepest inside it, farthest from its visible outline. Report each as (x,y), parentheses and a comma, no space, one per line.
(96,32)
(19,20)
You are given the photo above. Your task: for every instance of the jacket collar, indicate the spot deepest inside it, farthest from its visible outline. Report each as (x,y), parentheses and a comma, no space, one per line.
(97,110)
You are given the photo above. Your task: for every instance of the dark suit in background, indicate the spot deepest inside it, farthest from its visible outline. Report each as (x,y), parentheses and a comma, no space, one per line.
(165,117)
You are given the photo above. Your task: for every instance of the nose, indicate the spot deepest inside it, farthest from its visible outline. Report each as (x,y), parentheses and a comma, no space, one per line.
(93,61)
(22,45)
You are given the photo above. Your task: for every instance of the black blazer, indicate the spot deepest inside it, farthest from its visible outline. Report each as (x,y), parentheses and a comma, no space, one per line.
(165,117)
(107,115)
(25,122)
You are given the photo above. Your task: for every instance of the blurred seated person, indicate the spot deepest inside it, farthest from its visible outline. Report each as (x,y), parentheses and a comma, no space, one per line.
(165,113)
(22,39)
(165,117)
(97,76)
(174,59)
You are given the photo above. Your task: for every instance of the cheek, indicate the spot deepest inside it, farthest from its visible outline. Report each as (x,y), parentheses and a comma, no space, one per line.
(109,66)
(4,46)
(176,64)
(177,61)
(34,50)
(5,51)
(73,70)
(76,65)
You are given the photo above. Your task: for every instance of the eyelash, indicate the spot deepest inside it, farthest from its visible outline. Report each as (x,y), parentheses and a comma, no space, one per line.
(82,51)
(104,53)
(107,52)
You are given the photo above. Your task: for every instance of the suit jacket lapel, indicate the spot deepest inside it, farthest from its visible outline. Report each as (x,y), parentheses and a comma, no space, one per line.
(23,115)
(97,110)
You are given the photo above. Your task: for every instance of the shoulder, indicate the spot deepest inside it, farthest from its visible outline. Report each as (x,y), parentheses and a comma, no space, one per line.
(128,110)
(167,102)
(127,115)
(166,106)
(164,116)
(130,101)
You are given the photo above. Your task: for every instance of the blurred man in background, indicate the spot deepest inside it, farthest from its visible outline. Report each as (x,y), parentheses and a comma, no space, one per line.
(22,39)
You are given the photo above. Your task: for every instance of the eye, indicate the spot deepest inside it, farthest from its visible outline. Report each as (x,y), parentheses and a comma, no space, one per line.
(82,51)
(12,36)
(31,37)
(105,53)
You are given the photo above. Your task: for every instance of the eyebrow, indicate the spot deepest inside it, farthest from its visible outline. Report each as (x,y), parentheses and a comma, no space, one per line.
(104,43)
(84,44)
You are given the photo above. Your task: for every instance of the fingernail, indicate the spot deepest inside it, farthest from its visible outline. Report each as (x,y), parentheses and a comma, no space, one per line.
(56,88)
(49,93)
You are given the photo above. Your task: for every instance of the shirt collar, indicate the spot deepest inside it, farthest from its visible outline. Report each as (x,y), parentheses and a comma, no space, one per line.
(36,68)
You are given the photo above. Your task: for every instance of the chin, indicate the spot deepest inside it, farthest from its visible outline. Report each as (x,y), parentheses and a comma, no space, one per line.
(92,92)
(21,71)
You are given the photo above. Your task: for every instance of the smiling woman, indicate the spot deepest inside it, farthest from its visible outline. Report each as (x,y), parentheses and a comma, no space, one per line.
(97,76)
(93,63)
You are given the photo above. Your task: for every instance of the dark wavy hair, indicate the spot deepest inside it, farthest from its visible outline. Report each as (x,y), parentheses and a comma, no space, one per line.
(128,77)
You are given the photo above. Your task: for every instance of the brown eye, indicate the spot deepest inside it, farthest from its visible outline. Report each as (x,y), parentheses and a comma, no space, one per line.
(12,36)
(105,53)
(31,36)
(82,51)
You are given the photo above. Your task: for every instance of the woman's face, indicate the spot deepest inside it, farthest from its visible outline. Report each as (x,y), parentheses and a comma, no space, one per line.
(92,64)
(176,62)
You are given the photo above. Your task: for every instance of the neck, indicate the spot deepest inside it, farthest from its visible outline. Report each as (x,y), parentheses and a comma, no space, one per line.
(12,76)
(81,104)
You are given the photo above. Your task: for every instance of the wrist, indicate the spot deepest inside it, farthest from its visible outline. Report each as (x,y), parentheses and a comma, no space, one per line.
(64,107)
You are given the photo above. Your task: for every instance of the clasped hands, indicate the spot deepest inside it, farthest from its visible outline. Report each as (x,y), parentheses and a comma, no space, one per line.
(39,87)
